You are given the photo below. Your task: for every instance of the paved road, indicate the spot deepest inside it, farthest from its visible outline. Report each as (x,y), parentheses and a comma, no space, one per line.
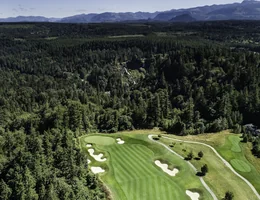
(223,160)
(201,179)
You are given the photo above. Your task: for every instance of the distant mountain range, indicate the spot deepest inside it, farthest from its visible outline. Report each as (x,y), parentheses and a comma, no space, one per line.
(247,10)
(29,19)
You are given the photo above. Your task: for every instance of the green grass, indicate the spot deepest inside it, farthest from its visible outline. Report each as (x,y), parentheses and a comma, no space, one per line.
(219,178)
(100,140)
(227,145)
(240,165)
(131,172)
(244,158)
(235,143)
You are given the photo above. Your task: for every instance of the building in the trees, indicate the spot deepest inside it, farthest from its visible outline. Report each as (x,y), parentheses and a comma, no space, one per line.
(252,129)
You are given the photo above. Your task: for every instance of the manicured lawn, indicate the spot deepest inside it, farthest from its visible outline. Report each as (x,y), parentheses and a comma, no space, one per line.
(100,140)
(240,165)
(131,172)
(220,178)
(236,153)
(235,143)
(243,162)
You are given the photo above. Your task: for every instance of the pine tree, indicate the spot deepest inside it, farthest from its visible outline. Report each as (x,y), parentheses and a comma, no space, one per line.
(5,190)
(200,154)
(204,169)
(29,184)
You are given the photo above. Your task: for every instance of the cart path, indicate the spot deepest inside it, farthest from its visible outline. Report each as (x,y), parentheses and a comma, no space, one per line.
(218,155)
(201,179)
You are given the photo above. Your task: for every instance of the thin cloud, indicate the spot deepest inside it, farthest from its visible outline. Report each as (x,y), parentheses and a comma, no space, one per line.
(21,8)
(81,10)
(102,9)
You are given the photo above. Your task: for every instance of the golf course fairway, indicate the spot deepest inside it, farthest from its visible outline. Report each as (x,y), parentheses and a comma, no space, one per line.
(220,178)
(130,171)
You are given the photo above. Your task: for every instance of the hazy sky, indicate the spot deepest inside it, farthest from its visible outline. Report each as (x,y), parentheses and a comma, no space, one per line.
(61,8)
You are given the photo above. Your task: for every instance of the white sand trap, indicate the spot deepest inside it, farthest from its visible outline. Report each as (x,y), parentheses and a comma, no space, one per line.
(89,161)
(89,145)
(164,167)
(119,141)
(97,157)
(97,170)
(193,195)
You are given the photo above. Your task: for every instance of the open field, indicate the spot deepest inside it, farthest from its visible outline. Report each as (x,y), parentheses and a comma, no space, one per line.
(126,36)
(131,172)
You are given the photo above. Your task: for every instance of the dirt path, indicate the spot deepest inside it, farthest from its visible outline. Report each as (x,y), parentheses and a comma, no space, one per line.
(201,179)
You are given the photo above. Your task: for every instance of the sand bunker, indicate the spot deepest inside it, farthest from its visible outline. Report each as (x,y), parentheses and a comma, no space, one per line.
(89,161)
(193,195)
(89,145)
(97,157)
(164,167)
(119,141)
(97,170)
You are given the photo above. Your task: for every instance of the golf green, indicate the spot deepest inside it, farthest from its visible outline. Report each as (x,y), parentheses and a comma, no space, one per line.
(240,165)
(220,177)
(100,140)
(131,172)
(235,143)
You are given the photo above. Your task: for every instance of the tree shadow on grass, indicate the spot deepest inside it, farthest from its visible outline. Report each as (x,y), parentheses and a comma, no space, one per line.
(200,174)
(197,158)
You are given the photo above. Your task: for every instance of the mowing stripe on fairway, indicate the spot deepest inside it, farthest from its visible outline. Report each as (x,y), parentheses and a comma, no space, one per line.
(120,170)
(133,182)
(165,190)
(132,174)
(143,151)
(139,161)
(129,159)
(128,156)
(157,191)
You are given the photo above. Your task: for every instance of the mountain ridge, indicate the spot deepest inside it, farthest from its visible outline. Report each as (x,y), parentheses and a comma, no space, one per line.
(246,10)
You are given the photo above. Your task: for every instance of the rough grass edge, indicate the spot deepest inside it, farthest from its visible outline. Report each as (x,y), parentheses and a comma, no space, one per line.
(106,190)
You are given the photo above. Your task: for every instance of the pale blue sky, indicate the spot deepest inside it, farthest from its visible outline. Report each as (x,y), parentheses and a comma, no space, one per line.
(62,8)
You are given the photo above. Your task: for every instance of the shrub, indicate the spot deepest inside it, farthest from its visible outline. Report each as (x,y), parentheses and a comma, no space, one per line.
(204,169)
(200,154)
(229,195)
